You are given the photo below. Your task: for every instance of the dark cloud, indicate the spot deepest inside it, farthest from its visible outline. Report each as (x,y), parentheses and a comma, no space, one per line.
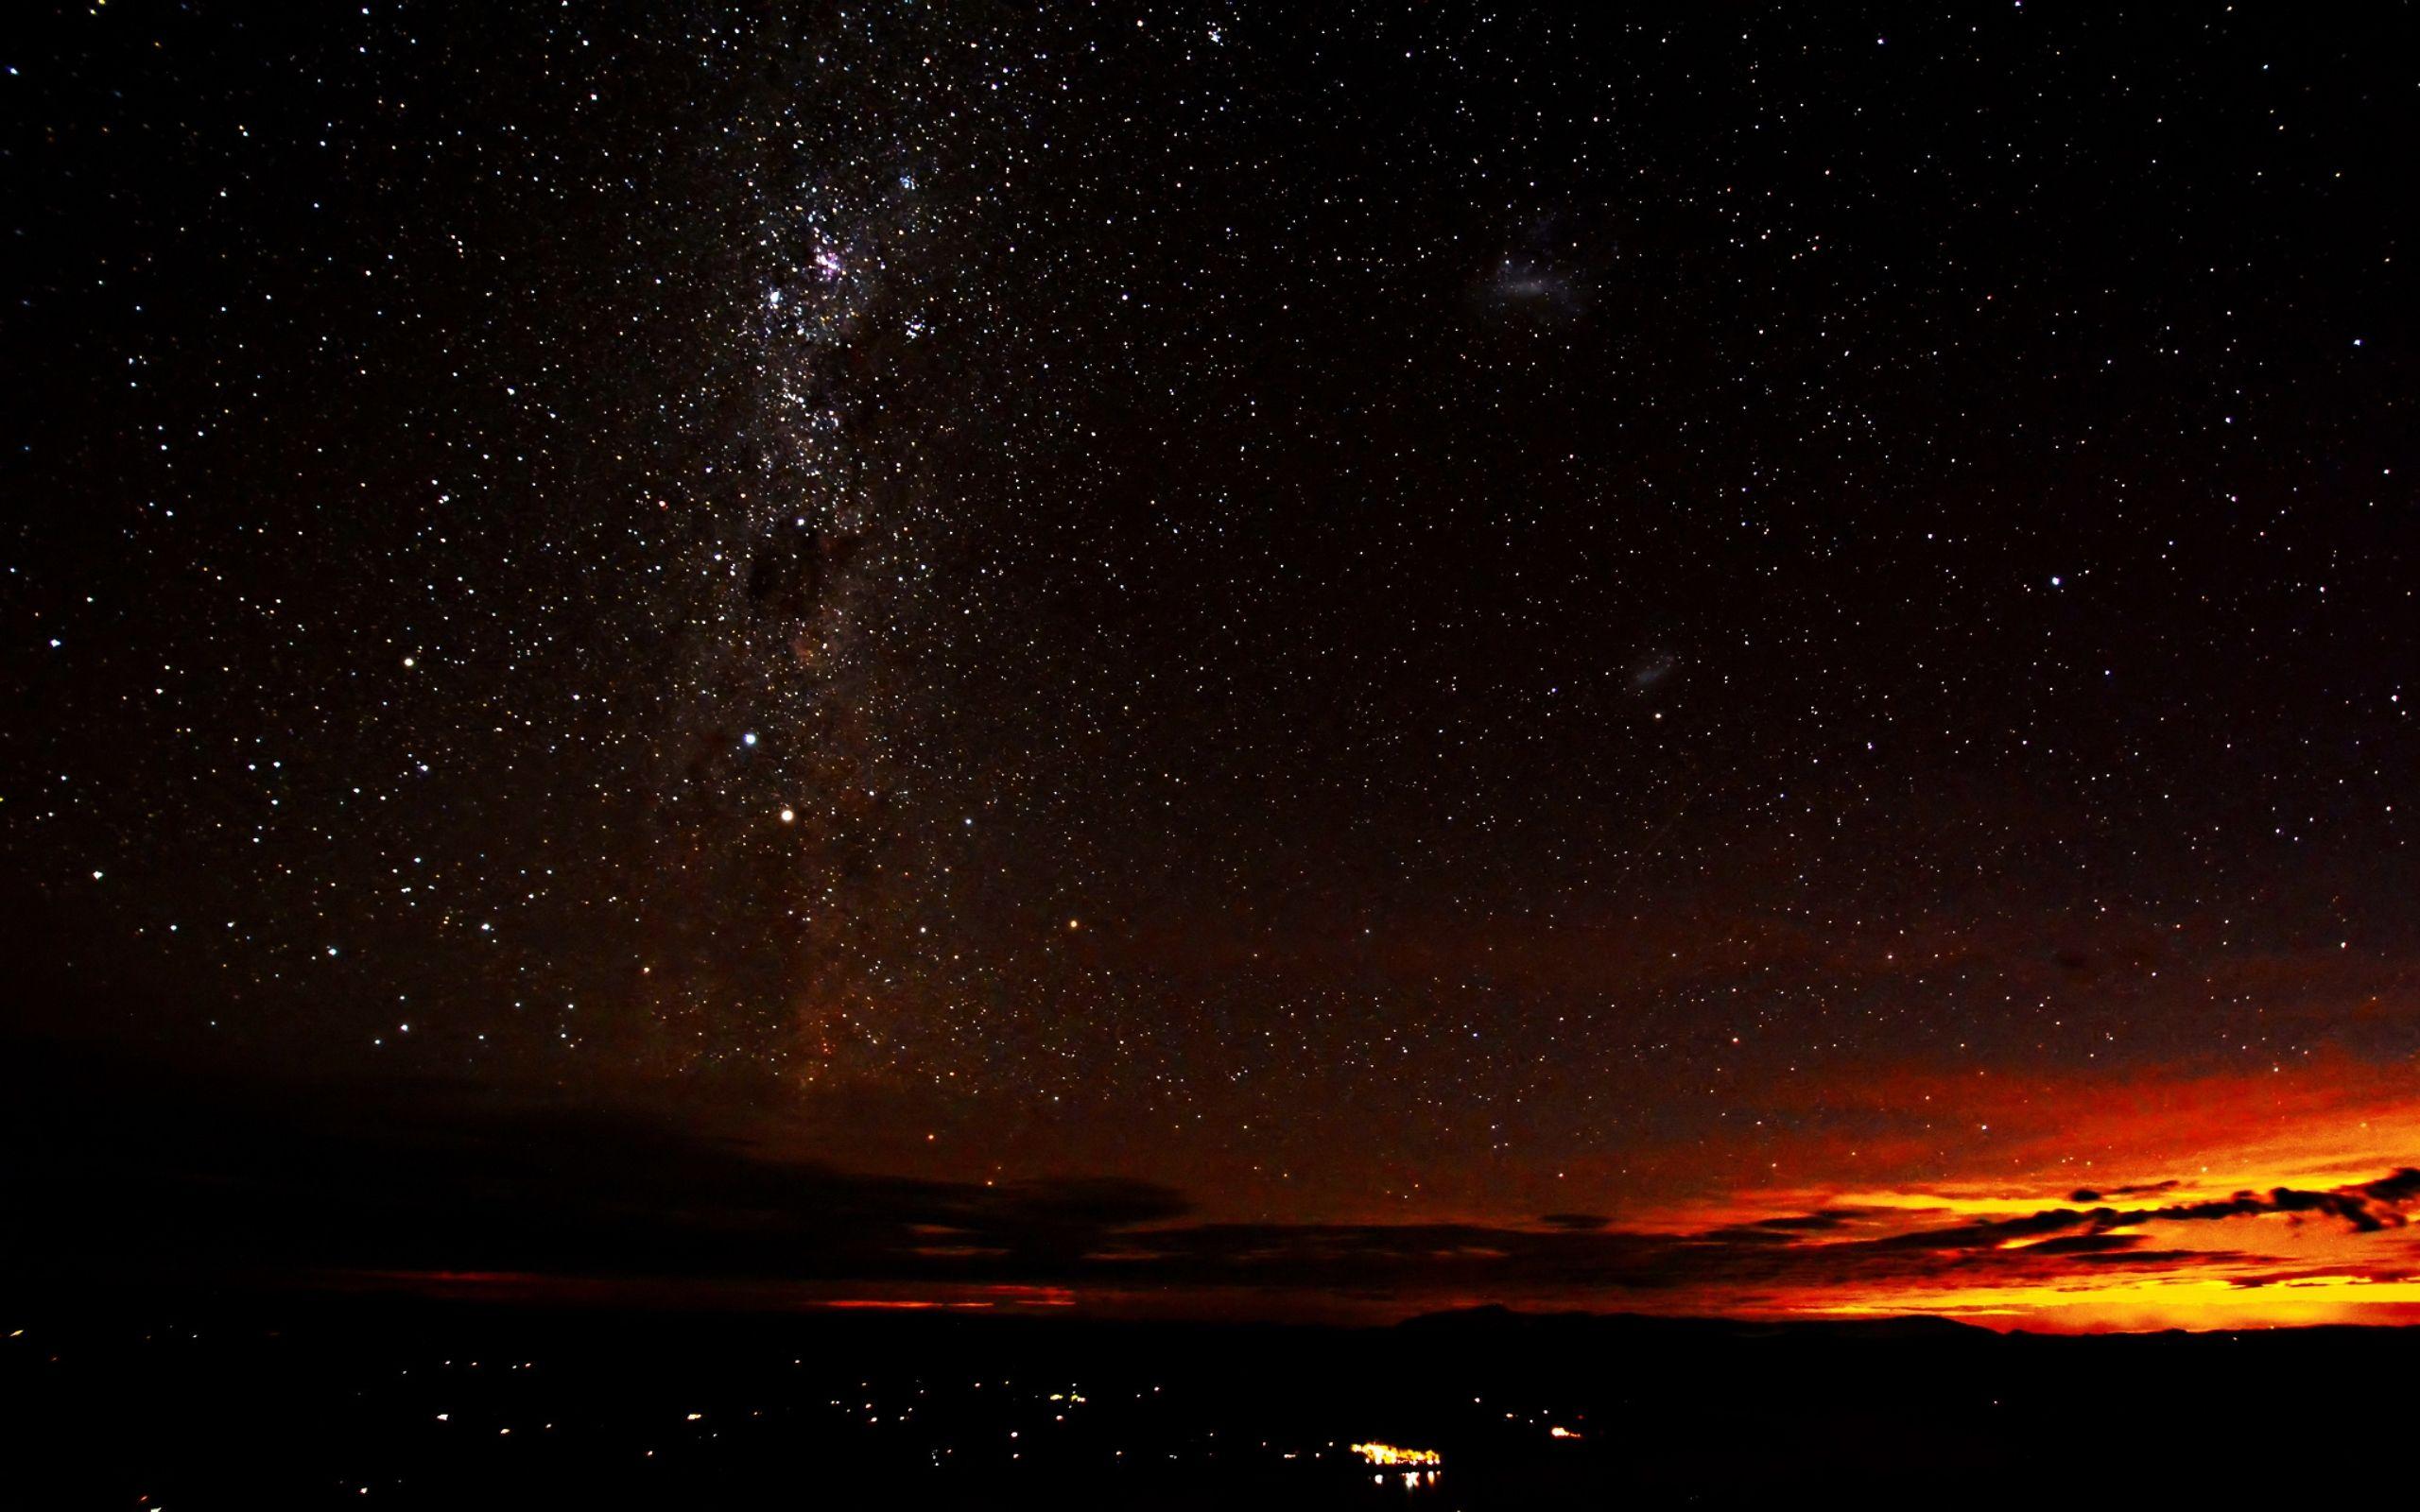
(2371,1208)
(2087,1194)
(2395,1190)
(2367,1208)
(1992,1233)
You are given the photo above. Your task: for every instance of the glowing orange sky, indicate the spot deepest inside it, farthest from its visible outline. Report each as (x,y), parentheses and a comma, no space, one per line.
(2017,1148)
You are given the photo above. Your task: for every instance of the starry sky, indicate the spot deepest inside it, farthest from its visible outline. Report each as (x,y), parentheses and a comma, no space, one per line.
(1244,658)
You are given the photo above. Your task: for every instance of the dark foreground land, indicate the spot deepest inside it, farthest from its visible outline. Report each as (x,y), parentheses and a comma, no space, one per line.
(421,1404)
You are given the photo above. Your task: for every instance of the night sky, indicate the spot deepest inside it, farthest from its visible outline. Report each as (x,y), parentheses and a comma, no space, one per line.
(1252,660)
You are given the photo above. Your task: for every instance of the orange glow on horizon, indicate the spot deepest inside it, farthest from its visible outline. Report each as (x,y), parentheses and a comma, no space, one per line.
(2219,1201)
